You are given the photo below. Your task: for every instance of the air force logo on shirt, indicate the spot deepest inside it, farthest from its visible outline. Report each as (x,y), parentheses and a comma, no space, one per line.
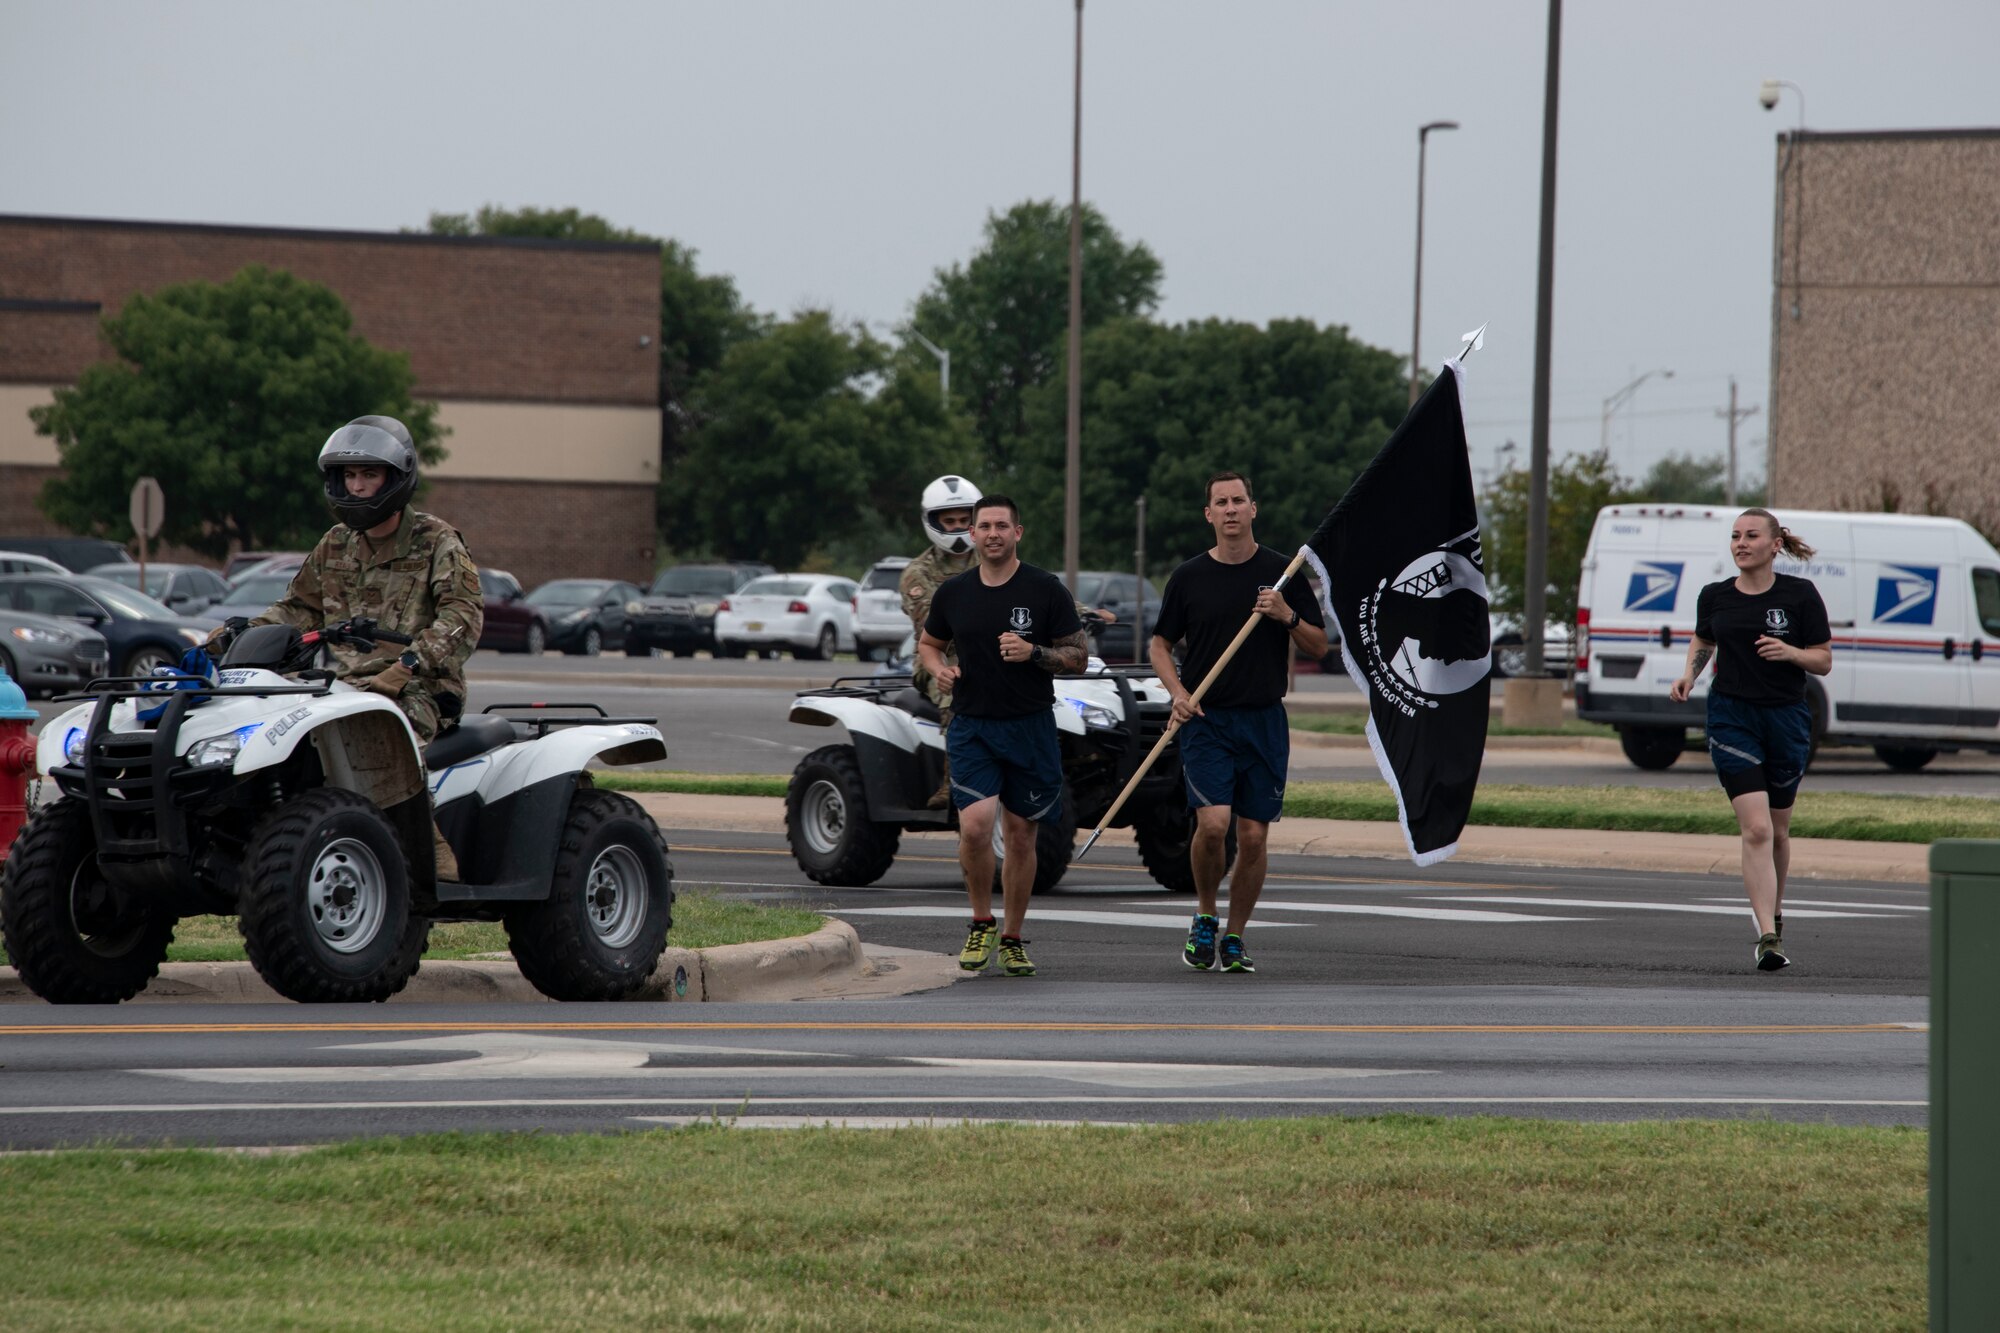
(1776,623)
(1021,621)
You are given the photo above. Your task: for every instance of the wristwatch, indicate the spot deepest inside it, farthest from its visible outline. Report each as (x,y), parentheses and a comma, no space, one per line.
(1295,621)
(409,659)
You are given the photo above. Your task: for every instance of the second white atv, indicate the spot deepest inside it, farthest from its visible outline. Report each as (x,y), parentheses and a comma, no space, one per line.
(305,806)
(849,804)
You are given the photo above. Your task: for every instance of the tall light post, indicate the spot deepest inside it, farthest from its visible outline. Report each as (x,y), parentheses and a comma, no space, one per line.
(1618,400)
(1073,462)
(1534,595)
(943,360)
(1417,302)
(1767,97)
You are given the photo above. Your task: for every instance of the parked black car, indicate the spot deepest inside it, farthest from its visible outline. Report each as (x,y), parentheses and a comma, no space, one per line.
(142,634)
(1109,590)
(678,614)
(586,616)
(72,553)
(185,589)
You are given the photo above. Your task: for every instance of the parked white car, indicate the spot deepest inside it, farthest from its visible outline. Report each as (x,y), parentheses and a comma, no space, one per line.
(879,622)
(811,614)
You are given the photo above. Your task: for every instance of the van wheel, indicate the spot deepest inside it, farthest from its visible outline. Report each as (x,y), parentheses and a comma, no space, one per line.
(1055,844)
(1510,656)
(827,824)
(600,932)
(1652,748)
(1904,760)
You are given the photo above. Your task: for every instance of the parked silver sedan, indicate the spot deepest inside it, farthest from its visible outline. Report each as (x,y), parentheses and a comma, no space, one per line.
(46,655)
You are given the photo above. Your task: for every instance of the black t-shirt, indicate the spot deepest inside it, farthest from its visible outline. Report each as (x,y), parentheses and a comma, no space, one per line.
(1206,602)
(1733,621)
(971,616)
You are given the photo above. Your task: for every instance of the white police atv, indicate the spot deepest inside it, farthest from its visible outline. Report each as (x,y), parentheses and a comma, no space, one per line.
(304,806)
(848,805)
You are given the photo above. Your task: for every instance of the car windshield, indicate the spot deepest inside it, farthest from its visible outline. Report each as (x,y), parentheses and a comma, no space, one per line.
(258,590)
(882,579)
(568,592)
(777,587)
(693,581)
(127,603)
(128,576)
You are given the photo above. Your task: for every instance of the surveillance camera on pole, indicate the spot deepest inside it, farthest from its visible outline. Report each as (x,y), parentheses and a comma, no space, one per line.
(1767,95)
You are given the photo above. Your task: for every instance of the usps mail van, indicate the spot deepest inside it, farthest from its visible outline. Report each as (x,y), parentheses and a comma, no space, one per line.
(1913,603)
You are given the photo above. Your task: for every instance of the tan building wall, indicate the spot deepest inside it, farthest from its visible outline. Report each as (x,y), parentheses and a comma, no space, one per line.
(1886,323)
(533,351)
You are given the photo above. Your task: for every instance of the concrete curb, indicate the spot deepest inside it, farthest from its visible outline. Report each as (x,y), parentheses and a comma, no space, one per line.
(830,963)
(1678,853)
(1320,740)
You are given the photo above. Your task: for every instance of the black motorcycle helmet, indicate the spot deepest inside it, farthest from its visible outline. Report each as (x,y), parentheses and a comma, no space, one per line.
(369,441)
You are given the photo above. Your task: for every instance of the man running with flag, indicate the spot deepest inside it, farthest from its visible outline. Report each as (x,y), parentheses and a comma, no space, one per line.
(1235,740)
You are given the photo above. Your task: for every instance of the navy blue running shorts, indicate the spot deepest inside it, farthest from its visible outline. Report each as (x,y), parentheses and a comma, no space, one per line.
(1237,757)
(1017,759)
(1759,747)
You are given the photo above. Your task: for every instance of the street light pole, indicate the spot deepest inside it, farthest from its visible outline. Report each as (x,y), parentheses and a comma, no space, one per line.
(943,360)
(1073,462)
(1417,302)
(1535,594)
(1618,400)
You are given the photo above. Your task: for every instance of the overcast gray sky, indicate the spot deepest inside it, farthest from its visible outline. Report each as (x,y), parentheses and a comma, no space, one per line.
(835,154)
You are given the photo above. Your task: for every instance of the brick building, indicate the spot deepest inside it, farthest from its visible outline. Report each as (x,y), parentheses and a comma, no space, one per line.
(541,355)
(1885,323)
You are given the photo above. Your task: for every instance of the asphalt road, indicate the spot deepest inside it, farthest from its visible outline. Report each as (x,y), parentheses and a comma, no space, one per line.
(1454,990)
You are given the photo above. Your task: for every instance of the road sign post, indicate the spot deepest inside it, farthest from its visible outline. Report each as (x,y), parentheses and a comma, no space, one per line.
(147,510)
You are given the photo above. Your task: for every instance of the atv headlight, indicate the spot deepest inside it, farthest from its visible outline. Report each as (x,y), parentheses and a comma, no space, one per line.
(1095,715)
(221,749)
(73,745)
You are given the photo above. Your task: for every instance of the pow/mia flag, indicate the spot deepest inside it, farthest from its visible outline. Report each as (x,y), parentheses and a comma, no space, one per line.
(1400,571)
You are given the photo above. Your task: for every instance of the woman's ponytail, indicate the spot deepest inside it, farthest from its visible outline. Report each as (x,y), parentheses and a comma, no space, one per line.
(1788,541)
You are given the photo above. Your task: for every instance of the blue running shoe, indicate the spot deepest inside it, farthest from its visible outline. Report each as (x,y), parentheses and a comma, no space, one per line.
(1200,951)
(1233,957)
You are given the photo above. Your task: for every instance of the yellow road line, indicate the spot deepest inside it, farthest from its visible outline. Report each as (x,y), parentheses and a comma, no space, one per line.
(1354,1029)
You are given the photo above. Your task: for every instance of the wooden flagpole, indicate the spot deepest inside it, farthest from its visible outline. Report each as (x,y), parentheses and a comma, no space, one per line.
(1160,745)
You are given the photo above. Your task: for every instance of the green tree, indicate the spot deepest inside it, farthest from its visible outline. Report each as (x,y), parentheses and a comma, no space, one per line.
(805,445)
(1579,486)
(1297,408)
(1685,479)
(225,392)
(1004,314)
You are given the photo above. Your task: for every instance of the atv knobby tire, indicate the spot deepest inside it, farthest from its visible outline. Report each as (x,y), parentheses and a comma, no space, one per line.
(1164,834)
(75,938)
(1055,844)
(325,907)
(827,824)
(600,932)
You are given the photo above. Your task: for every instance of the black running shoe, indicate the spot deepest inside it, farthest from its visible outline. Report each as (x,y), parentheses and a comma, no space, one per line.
(1233,957)
(1770,957)
(1200,951)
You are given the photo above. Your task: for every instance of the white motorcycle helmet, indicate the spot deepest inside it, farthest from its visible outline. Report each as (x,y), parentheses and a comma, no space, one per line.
(948,493)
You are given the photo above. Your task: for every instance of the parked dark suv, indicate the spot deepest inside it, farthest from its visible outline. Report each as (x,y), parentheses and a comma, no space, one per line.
(75,554)
(679,614)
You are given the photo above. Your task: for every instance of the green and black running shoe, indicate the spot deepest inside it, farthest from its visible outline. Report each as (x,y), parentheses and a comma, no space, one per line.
(1770,957)
(1014,959)
(1200,950)
(1233,957)
(979,942)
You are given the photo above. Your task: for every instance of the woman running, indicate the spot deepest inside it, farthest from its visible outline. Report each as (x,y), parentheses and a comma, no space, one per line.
(1766,630)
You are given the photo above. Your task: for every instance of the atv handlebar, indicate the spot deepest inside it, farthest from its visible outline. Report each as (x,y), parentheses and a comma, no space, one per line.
(359,631)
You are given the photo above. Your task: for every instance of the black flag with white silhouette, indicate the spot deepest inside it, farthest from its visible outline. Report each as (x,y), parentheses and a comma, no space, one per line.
(1400,570)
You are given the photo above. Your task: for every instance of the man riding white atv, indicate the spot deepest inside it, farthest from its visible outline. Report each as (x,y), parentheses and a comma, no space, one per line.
(848,805)
(304,806)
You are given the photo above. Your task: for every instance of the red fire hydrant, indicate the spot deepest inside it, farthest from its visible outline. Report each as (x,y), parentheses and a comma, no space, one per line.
(17,760)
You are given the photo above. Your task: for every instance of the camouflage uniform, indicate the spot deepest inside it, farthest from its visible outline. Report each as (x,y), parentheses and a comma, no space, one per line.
(921,579)
(419,581)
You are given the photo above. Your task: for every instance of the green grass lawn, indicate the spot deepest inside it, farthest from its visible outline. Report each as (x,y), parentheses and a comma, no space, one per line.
(1394,1223)
(1632,809)
(702,919)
